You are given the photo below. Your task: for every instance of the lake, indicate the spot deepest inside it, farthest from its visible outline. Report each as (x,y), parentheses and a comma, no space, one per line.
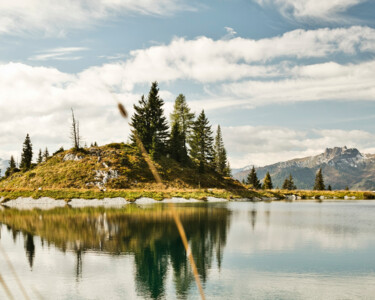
(243,250)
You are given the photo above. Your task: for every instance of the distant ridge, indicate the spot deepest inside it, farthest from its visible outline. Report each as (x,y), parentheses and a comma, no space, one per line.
(341,167)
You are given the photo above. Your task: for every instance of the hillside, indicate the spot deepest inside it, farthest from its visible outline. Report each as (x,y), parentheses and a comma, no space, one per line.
(341,167)
(115,166)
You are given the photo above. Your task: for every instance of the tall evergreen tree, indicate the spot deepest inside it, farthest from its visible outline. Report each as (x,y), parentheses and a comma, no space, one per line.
(27,154)
(149,122)
(201,149)
(182,116)
(45,154)
(220,154)
(289,183)
(319,181)
(11,168)
(176,141)
(267,182)
(253,180)
(40,156)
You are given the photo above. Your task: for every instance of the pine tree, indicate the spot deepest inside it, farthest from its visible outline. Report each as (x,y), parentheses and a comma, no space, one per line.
(40,156)
(329,188)
(176,147)
(253,180)
(27,154)
(319,181)
(182,116)
(289,183)
(149,123)
(227,171)
(45,154)
(220,154)
(267,182)
(201,149)
(11,168)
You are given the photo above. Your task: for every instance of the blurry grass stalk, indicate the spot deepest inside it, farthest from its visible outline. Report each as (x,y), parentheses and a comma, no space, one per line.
(176,216)
(7,290)
(14,274)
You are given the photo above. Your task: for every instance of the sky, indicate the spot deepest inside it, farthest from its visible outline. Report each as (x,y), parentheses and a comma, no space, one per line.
(283,78)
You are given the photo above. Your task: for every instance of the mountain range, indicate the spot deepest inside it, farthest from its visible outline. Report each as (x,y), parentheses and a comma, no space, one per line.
(341,166)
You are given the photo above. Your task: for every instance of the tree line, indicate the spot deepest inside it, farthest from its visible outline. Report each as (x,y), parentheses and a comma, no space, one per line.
(187,139)
(254,182)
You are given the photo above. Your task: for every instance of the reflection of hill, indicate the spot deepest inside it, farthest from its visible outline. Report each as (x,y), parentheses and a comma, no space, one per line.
(149,234)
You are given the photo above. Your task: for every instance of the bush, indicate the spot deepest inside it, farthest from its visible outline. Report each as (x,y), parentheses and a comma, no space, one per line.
(368,195)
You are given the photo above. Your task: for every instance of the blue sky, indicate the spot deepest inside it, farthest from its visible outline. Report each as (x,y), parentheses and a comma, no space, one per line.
(283,78)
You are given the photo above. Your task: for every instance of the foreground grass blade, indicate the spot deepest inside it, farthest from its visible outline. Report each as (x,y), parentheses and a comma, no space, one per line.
(7,290)
(14,274)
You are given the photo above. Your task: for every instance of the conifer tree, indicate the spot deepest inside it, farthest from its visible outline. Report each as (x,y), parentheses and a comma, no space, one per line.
(227,170)
(201,149)
(220,154)
(267,182)
(319,181)
(329,188)
(40,156)
(149,122)
(45,154)
(253,180)
(289,183)
(182,116)
(27,154)
(176,141)
(11,168)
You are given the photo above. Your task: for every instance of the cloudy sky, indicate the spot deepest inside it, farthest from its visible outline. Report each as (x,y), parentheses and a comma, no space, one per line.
(283,78)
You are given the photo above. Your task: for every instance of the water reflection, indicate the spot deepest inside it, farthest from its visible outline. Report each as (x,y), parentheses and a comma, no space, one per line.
(243,251)
(149,234)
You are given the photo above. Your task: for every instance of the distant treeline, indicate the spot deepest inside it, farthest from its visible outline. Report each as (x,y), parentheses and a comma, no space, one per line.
(254,182)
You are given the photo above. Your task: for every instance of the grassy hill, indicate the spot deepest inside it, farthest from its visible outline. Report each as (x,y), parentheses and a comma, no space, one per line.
(114,166)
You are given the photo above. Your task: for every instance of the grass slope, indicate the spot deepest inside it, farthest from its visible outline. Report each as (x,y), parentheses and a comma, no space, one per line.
(114,166)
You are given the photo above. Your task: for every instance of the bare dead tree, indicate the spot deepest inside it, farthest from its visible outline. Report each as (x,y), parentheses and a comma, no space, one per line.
(74,135)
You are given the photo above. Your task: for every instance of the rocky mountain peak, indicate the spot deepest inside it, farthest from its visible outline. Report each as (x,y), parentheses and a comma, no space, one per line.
(341,152)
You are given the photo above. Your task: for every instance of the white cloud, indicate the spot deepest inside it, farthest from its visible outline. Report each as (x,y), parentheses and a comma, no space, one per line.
(249,72)
(205,60)
(55,17)
(316,9)
(59,54)
(328,81)
(230,33)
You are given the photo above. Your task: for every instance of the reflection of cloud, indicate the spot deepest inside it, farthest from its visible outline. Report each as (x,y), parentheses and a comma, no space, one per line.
(252,284)
(290,227)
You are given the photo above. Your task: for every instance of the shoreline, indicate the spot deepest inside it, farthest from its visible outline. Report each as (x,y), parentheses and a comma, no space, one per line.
(45,203)
(82,198)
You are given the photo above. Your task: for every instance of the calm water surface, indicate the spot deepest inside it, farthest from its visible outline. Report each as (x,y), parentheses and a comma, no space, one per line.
(300,250)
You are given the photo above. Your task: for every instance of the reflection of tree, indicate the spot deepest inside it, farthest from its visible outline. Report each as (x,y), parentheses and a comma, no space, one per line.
(149,234)
(30,248)
(151,265)
(253,218)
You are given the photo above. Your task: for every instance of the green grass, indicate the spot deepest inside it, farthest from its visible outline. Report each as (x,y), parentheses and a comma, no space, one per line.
(160,194)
